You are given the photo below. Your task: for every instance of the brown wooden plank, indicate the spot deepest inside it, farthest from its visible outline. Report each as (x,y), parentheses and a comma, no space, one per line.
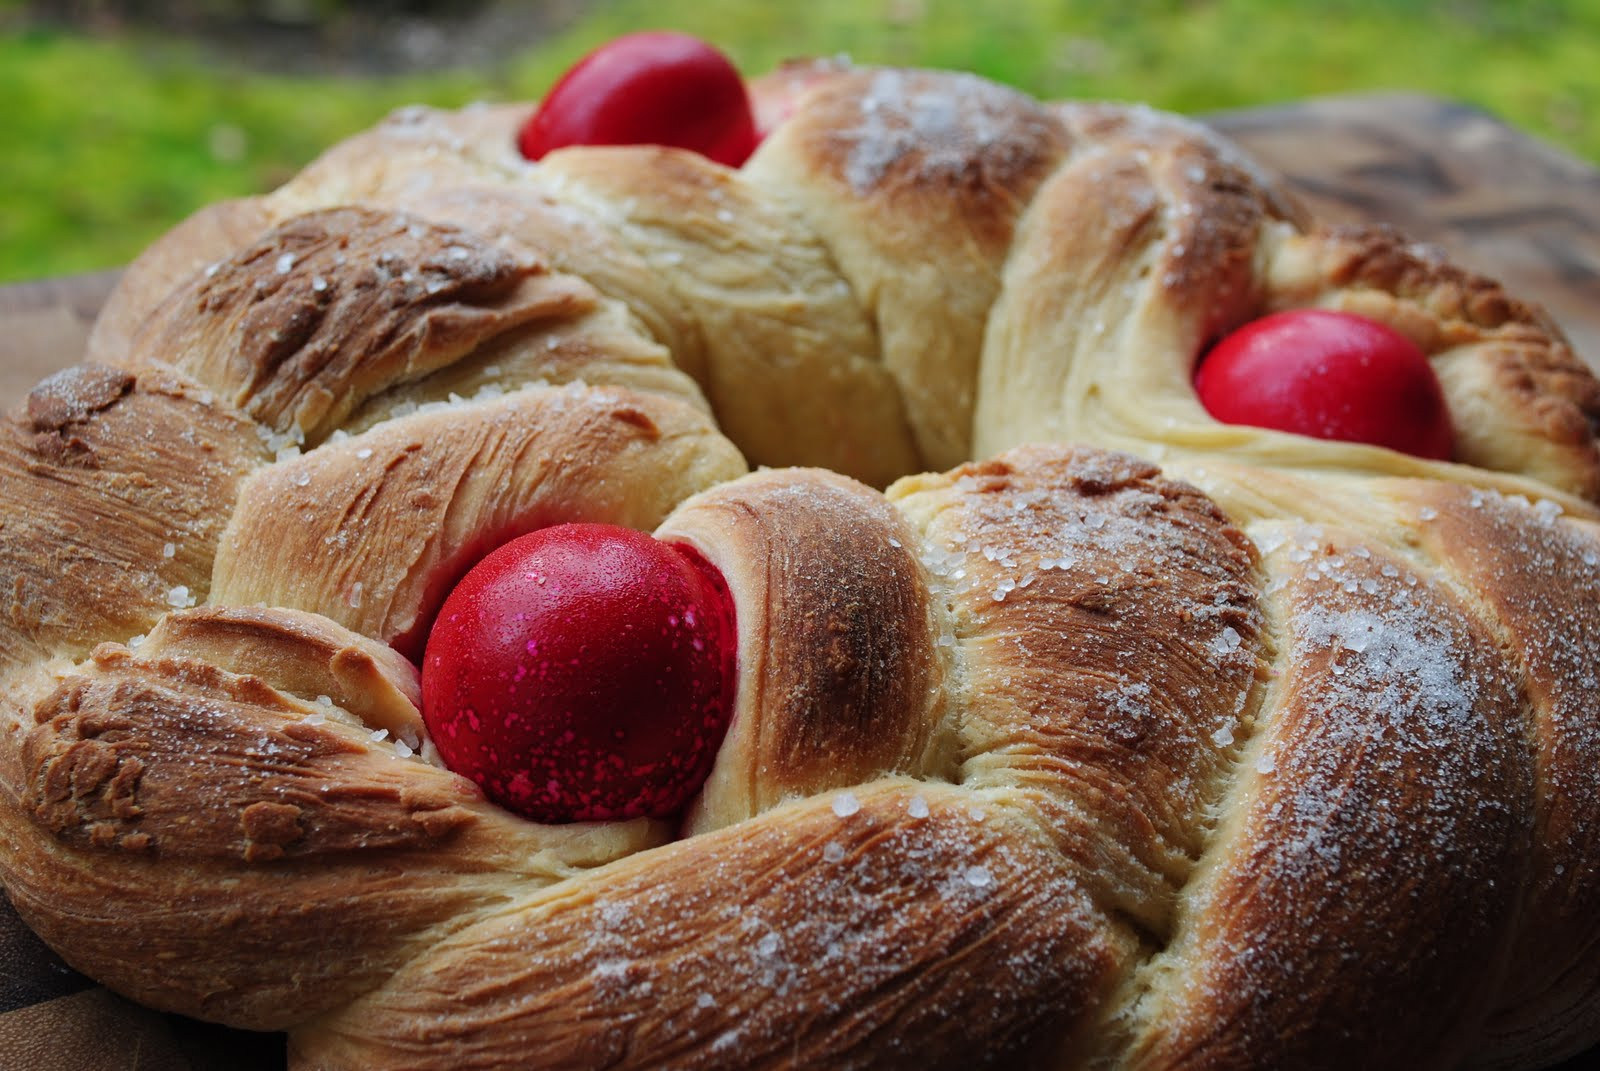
(43,326)
(1497,200)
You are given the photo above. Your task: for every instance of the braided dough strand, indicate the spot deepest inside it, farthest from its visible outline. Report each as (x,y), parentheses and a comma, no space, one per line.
(917,267)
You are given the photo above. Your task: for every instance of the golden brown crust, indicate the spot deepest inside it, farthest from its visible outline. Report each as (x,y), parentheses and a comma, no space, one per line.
(214,232)
(299,328)
(386,522)
(114,489)
(1537,578)
(1122,822)
(412,150)
(791,359)
(104,765)
(513,208)
(839,682)
(871,230)
(1140,129)
(914,180)
(1107,642)
(1049,760)
(1381,804)
(1521,400)
(203,841)
(878,934)
(303,654)
(1136,253)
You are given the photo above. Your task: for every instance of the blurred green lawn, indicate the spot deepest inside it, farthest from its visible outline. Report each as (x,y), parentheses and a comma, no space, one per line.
(108,142)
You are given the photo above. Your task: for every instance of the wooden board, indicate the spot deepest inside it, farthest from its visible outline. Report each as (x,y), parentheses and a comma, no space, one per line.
(1498,201)
(1495,199)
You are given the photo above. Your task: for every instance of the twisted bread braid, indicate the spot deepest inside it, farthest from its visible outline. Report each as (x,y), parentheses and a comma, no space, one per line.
(919,266)
(1281,757)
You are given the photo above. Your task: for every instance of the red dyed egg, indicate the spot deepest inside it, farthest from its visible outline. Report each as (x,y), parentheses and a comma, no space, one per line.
(583,672)
(1330,375)
(648,88)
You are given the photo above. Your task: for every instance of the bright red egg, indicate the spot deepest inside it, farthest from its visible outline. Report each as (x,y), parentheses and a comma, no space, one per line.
(1330,375)
(647,88)
(583,672)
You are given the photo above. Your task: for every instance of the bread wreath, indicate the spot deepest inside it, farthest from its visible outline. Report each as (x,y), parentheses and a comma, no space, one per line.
(1279,757)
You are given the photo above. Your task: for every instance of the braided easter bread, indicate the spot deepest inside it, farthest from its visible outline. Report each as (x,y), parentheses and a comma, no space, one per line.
(1277,755)
(918,267)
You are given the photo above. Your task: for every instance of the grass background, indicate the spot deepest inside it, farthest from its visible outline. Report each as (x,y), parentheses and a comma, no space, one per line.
(111,138)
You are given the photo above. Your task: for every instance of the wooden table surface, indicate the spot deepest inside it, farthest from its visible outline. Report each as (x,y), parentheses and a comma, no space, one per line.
(1495,199)
(1498,201)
